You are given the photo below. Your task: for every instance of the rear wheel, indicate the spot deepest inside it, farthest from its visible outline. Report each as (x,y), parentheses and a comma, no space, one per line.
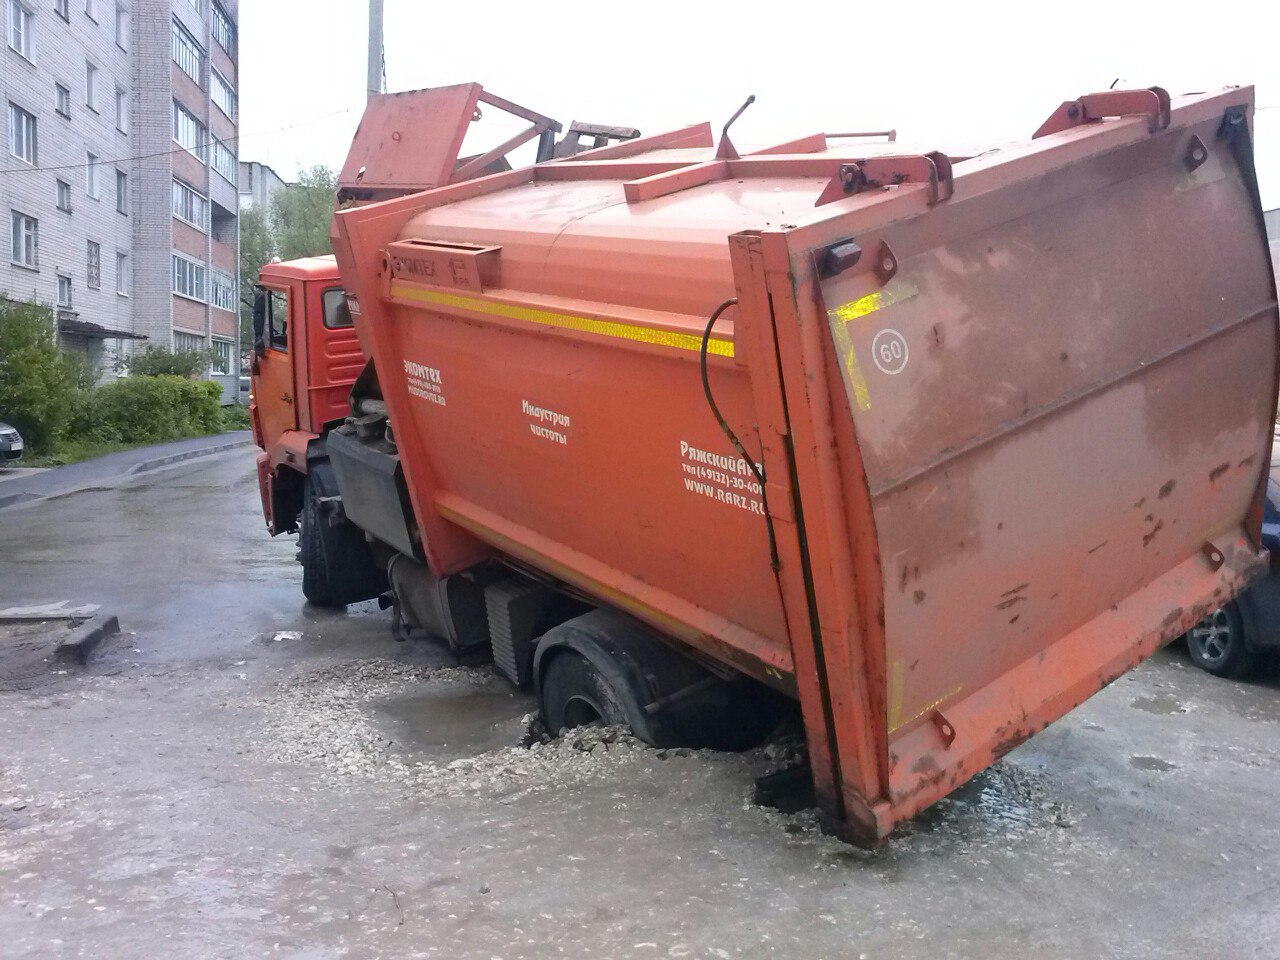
(337,565)
(603,667)
(576,694)
(1217,643)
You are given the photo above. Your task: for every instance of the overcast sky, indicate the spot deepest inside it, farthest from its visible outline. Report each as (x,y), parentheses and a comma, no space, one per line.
(972,73)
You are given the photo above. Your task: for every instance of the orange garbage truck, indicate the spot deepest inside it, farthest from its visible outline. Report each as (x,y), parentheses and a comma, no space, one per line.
(933,445)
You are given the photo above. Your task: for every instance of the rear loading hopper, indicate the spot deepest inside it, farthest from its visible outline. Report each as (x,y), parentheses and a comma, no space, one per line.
(1007,418)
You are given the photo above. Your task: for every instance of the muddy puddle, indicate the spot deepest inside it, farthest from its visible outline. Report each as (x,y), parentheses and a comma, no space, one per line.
(1160,704)
(1153,764)
(441,722)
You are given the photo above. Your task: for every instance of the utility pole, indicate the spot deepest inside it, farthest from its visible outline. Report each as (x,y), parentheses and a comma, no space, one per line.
(375,47)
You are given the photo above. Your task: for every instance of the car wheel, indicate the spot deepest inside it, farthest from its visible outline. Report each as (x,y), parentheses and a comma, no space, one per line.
(1217,643)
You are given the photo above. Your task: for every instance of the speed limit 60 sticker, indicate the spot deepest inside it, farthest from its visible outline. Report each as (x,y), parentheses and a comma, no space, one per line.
(889,351)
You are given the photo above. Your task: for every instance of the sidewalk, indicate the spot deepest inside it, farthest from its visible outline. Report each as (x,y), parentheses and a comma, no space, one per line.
(88,473)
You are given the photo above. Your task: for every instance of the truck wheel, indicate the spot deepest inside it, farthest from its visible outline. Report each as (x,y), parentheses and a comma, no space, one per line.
(337,565)
(605,667)
(1217,643)
(575,694)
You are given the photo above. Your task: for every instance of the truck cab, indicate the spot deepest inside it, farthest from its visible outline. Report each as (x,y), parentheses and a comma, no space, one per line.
(306,356)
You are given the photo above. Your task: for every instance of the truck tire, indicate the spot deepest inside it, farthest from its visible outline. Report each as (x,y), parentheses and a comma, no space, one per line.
(575,694)
(607,668)
(338,567)
(1218,644)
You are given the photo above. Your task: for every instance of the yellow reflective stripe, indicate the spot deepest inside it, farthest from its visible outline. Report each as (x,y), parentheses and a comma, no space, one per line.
(852,368)
(857,308)
(857,380)
(896,292)
(547,318)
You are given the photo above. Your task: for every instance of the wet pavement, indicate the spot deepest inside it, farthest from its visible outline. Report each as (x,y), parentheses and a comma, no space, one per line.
(239,774)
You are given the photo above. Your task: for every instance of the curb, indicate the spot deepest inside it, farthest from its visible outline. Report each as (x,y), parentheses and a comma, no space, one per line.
(80,645)
(159,462)
(13,499)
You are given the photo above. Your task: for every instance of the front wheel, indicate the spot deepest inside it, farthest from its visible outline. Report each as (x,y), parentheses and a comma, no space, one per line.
(337,565)
(1217,643)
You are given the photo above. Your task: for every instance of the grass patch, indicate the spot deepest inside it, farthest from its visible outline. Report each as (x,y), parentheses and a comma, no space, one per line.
(76,449)
(73,451)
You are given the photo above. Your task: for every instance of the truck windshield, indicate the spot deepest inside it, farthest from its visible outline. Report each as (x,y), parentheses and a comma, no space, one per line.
(336,313)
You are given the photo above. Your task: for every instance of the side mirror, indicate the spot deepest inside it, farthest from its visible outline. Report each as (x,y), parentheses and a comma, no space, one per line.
(259,321)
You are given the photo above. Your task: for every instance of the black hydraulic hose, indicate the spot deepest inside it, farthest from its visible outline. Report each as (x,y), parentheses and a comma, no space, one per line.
(756,469)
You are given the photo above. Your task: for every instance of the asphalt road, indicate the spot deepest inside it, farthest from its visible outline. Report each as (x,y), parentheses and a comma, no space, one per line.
(241,775)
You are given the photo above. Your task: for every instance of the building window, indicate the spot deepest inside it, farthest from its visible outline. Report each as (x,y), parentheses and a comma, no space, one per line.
(187,53)
(190,206)
(224,161)
(64,290)
(223,93)
(91,87)
(122,27)
(220,363)
(91,9)
(62,100)
(62,8)
(187,342)
(25,250)
(188,278)
(64,196)
(190,133)
(20,28)
(122,192)
(93,265)
(22,134)
(91,175)
(224,31)
(222,290)
(123,277)
(122,110)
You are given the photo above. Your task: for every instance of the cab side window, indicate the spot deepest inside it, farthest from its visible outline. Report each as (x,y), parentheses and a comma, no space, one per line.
(278,320)
(336,312)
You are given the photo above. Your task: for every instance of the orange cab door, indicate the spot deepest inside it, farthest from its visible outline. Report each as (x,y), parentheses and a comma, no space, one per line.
(274,393)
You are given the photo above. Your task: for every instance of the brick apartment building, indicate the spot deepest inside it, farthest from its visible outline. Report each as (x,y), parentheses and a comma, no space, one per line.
(121,183)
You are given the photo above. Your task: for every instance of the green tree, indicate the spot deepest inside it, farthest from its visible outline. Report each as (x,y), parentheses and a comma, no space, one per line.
(300,214)
(257,246)
(37,386)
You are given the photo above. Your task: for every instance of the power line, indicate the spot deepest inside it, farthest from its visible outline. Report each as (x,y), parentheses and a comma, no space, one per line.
(169,153)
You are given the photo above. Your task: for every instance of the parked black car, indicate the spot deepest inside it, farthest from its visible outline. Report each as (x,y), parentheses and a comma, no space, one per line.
(10,444)
(1228,642)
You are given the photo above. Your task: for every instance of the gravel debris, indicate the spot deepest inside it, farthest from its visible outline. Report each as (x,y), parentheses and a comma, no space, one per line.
(320,719)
